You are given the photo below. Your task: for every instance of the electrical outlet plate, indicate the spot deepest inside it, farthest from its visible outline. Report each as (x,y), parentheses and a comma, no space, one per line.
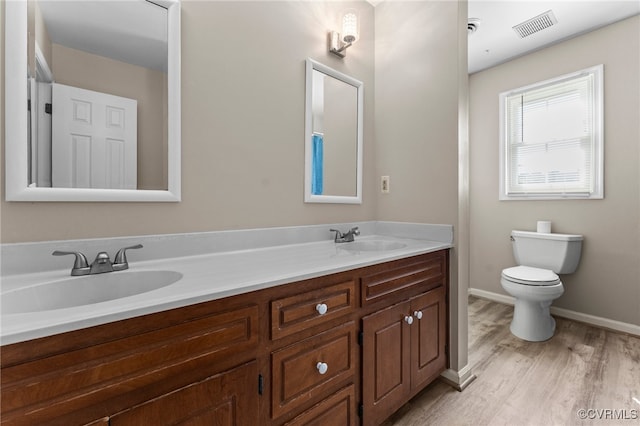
(384,184)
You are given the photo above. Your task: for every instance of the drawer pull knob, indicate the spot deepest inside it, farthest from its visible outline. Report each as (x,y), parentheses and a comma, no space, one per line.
(408,319)
(322,367)
(322,308)
(418,314)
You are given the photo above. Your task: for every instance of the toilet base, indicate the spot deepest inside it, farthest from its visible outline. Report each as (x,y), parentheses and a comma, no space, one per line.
(532,321)
(531,318)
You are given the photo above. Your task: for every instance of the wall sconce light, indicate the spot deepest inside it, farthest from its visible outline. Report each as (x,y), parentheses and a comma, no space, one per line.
(338,43)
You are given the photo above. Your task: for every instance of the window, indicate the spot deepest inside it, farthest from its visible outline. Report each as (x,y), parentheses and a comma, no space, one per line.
(551,138)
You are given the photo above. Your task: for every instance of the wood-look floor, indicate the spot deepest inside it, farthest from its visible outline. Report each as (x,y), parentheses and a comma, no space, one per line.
(525,383)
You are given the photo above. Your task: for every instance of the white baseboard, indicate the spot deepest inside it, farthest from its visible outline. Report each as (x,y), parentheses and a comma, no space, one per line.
(459,380)
(609,324)
(495,297)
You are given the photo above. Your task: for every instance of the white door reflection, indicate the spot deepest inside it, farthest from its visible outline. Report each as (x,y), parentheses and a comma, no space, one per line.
(94,142)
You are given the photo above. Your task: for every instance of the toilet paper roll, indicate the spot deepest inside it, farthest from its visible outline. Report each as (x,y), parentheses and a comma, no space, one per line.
(544,226)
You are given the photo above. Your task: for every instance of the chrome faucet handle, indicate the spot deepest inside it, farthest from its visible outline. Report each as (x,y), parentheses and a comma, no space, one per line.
(120,262)
(80,265)
(355,230)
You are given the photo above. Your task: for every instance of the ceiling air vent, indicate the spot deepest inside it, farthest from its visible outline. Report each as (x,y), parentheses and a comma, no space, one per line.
(536,24)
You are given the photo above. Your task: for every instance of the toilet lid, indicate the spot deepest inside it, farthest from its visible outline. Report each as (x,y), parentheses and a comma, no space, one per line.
(530,276)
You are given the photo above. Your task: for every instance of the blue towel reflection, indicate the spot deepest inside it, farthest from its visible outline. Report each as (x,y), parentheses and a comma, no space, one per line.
(316,164)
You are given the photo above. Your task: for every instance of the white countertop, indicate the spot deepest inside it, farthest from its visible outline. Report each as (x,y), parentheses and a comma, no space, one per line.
(204,277)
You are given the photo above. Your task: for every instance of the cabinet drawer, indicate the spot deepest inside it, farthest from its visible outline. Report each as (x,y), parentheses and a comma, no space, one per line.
(292,314)
(298,376)
(338,409)
(219,400)
(92,380)
(404,276)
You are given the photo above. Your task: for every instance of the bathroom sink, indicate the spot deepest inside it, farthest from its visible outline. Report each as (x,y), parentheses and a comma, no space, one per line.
(372,245)
(85,290)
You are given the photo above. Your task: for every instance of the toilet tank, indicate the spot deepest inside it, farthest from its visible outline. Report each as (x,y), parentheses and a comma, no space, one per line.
(557,252)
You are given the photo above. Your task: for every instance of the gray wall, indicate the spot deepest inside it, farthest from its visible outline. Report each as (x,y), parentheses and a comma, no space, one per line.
(607,283)
(243,97)
(416,119)
(421,86)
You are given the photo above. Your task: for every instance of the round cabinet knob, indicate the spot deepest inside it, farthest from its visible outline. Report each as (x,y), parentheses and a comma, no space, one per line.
(408,319)
(322,308)
(418,314)
(322,367)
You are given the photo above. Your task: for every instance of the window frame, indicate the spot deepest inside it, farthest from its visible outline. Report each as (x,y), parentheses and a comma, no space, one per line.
(597,172)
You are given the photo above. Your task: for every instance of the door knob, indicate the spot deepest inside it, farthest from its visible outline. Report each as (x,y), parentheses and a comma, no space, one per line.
(408,319)
(417,314)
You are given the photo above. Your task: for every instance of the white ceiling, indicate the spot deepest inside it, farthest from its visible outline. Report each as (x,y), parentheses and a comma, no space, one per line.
(130,31)
(140,32)
(496,42)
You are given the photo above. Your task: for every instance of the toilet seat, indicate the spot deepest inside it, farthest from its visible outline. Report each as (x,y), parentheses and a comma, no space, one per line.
(527,275)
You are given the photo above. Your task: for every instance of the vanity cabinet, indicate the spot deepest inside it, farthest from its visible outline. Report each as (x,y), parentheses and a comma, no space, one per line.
(333,350)
(404,340)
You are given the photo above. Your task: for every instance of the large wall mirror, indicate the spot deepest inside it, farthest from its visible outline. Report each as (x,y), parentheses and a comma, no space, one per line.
(333,136)
(92,97)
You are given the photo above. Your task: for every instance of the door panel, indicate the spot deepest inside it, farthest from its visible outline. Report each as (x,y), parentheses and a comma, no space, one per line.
(94,139)
(385,362)
(428,336)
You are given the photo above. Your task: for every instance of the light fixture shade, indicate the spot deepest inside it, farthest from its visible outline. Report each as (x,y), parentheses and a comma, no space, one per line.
(350,26)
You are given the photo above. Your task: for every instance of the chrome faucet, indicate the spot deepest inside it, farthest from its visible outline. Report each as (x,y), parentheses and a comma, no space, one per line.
(101,264)
(347,237)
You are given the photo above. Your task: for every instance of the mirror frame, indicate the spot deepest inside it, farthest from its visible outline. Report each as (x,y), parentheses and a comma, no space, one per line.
(16,145)
(309,197)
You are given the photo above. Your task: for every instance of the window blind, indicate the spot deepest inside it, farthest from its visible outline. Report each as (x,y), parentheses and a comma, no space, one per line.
(550,138)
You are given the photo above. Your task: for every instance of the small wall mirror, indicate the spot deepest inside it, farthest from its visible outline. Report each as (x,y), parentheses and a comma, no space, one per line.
(92,96)
(333,136)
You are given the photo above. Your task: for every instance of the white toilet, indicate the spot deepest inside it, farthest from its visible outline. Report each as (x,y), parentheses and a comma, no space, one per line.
(534,283)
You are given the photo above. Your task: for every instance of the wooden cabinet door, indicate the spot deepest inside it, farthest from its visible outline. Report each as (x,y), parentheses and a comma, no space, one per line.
(229,398)
(386,370)
(428,336)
